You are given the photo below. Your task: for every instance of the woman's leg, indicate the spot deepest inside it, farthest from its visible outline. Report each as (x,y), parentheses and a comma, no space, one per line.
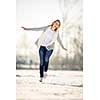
(47,57)
(42,60)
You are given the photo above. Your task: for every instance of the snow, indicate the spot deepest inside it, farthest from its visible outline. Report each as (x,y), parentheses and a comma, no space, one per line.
(58,85)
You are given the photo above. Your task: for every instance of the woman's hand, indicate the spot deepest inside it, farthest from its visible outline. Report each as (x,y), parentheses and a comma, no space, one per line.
(23,28)
(68,52)
(65,49)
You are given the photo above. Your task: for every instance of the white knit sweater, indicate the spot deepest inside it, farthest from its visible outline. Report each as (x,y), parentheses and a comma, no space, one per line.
(47,38)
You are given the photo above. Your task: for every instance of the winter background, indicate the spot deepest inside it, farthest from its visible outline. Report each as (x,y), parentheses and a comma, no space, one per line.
(64,81)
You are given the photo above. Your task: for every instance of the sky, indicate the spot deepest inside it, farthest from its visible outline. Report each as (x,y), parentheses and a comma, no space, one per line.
(35,13)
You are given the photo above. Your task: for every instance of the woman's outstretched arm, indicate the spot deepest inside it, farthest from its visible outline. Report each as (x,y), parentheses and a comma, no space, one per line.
(36,29)
(60,42)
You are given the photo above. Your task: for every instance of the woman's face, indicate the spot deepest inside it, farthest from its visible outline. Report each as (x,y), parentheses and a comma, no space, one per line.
(55,25)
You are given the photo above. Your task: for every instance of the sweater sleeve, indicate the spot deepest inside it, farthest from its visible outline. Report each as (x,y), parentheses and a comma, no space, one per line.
(60,42)
(37,29)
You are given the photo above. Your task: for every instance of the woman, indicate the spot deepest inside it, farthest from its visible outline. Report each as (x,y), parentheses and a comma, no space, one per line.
(46,44)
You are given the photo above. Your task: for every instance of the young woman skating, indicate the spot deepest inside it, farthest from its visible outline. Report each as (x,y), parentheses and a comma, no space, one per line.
(46,44)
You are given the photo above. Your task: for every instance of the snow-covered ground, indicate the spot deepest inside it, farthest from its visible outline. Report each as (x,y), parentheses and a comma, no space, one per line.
(59,85)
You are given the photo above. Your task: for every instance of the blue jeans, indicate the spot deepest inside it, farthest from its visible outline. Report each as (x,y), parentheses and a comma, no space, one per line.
(44,54)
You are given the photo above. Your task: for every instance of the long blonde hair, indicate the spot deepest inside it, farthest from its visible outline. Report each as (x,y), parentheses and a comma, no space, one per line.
(54,22)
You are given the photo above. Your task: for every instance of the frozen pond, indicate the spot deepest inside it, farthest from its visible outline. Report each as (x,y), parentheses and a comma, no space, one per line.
(59,85)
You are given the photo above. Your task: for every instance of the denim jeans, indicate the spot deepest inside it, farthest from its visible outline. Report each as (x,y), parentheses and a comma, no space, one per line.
(44,54)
